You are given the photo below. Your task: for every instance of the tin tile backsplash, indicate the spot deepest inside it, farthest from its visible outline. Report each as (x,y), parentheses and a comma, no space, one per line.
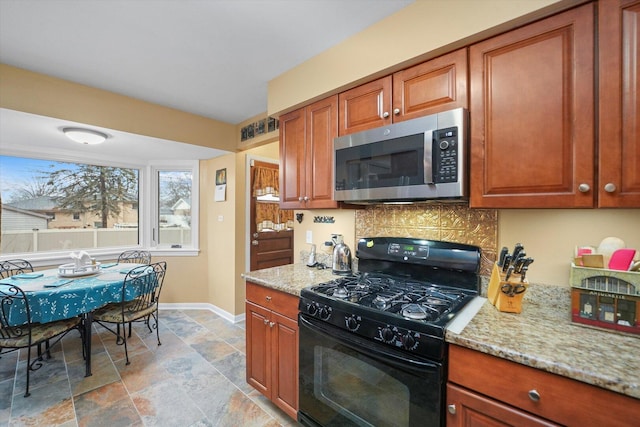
(449,222)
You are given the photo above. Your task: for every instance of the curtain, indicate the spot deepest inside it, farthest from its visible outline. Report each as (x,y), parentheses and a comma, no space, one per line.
(265,181)
(269,216)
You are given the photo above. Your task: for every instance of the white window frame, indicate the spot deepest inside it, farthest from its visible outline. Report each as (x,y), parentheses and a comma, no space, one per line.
(147,208)
(150,234)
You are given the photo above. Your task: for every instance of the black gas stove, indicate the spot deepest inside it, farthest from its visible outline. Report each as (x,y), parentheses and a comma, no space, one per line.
(404,295)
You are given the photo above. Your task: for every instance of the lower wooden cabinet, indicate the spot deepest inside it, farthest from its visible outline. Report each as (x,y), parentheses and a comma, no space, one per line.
(272,345)
(484,390)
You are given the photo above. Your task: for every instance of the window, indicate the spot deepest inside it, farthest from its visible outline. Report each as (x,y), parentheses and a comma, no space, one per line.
(99,208)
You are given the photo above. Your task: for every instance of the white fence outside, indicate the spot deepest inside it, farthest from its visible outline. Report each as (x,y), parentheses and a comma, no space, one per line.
(25,241)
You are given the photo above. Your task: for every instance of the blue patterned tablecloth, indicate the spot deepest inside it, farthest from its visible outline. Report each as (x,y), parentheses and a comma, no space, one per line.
(78,296)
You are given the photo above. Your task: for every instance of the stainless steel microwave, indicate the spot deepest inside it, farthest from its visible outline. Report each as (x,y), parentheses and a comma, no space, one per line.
(416,160)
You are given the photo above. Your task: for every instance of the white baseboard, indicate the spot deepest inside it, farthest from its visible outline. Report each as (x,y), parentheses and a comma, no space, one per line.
(203,306)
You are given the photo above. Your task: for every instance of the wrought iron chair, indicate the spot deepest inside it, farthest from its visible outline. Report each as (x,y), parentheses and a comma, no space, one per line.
(17,330)
(135,256)
(12,267)
(139,302)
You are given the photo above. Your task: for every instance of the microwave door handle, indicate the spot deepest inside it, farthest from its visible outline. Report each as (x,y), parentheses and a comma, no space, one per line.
(428,157)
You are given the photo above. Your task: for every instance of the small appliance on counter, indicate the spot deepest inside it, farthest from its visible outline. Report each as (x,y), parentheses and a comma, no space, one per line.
(508,281)
(341,256)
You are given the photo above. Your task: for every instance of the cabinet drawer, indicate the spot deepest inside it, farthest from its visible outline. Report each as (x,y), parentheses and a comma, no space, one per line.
(278,301)
(562,400)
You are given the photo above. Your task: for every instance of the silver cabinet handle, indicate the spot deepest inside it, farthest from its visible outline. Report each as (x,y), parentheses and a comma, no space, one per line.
(266,322)
(583,188)
(610,187)
(268,298)
(255,235)
(254,242)
(396,111)
(271,324)
(306,198)
(385,114)
(534,395)
(452,409)
(300,199)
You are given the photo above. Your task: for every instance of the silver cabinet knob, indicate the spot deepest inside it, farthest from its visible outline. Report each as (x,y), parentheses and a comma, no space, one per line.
(255,242)
(300,199)
(255,235)
(385,114)
(306,198)
(268,298)
(610,187)
(271,324)
(583,188)
(452,409)
(266,322)
(534,395)
(396,111)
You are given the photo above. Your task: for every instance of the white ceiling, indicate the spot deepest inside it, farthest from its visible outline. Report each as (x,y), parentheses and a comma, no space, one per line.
(207,57)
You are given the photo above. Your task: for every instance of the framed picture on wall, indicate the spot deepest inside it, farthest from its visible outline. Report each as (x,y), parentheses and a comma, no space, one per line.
(221,176)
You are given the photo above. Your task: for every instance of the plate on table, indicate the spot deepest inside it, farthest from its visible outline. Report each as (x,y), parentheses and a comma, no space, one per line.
(70,270)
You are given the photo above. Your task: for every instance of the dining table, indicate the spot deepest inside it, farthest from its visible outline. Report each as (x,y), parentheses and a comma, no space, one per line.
(53,295)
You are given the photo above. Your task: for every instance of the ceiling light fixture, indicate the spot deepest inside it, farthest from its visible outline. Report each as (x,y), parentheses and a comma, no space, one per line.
(85,136)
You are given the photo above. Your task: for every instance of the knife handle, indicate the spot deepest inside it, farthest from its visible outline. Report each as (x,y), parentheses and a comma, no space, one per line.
(507,261)
(503,254)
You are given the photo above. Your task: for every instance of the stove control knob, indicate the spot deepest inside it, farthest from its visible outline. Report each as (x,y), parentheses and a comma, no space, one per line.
(325,312)
(409,341)
(312,309)
(387,334)
(352,323)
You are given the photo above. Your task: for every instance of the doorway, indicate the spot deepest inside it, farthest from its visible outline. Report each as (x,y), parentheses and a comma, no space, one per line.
(270,230)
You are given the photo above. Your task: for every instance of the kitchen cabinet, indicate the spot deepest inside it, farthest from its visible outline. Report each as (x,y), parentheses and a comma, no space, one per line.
(306,156)
(484,390)
(532,115)
(272,345)
(436,85)
(619,113)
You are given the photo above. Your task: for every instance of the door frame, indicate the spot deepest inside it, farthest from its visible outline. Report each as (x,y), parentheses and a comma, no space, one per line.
(247,209)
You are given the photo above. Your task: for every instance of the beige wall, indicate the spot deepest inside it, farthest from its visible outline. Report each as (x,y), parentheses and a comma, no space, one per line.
(36,93)
(422,30)
(344,224)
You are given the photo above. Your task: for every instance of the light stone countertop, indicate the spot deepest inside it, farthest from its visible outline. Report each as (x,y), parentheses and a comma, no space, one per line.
(542,336)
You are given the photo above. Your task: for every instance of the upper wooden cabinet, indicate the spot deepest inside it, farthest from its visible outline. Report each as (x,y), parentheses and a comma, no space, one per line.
(306,156)
(532,115)
(619,112)
(433,86)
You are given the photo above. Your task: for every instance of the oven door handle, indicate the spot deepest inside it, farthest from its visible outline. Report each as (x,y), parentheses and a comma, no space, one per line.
(381,353)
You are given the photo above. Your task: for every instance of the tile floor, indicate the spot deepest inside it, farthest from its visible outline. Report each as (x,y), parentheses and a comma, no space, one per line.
(195,378)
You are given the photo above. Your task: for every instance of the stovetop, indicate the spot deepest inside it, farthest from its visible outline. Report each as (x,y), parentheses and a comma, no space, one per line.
(404,295)
(405,298)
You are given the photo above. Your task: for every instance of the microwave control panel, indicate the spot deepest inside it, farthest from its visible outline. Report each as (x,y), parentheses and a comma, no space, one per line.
(445,155)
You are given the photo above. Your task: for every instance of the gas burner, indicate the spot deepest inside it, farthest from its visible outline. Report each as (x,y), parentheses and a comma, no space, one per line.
(419,312)
(340,292)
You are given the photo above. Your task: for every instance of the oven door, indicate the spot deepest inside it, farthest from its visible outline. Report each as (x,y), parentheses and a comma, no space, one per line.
(349,381)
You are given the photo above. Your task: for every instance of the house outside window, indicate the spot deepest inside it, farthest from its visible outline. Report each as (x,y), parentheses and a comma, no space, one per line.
(54,207)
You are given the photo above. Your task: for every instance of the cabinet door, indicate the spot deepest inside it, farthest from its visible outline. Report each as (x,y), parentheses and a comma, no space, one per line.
(365,107)
(322,128)
(532,115)
(259,348)
(292,159)
(285,365)
(467,409)
(619,113)
(431,87)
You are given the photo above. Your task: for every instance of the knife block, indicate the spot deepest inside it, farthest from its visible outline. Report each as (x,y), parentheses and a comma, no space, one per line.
(502,301)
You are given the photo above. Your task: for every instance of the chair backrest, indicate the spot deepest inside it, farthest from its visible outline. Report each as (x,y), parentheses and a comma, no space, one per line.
(15,316)
(135,256)
(144,284)
(11,267)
